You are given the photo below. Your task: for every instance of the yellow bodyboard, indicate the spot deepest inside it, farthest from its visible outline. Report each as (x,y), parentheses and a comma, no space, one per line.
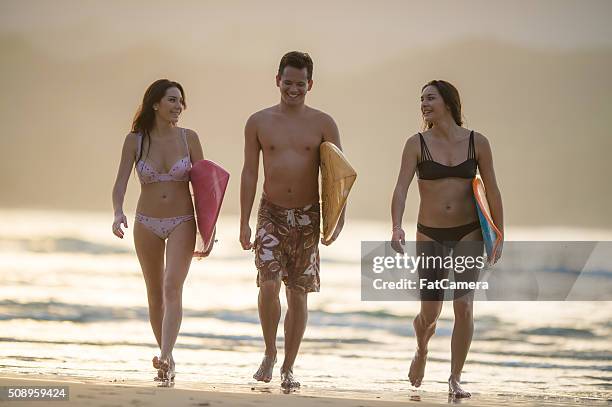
(337,178)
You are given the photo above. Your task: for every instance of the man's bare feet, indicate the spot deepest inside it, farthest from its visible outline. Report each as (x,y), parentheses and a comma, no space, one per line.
(288,381)
(455,389)
(417,368)
(264,373)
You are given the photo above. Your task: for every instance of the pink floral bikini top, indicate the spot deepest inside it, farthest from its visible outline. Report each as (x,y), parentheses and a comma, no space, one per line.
(179,171)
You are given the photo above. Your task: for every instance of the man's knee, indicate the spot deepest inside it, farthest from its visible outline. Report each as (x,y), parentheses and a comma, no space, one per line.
(296,297)
(269,288)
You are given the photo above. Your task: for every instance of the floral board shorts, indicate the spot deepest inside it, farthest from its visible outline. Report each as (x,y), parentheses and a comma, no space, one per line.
(287,245)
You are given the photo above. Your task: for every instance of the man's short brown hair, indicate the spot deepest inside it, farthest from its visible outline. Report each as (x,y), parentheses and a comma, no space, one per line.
(296,59)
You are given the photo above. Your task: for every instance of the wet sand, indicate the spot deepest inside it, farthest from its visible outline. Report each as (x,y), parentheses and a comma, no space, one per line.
(84,392)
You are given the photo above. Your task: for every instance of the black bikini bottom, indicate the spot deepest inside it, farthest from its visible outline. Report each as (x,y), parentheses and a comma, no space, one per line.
(448,236)
(446,241)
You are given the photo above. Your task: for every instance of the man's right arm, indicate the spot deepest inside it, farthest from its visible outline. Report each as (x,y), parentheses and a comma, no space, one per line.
(248,181)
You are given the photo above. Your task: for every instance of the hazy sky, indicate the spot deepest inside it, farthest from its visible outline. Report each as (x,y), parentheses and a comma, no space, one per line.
(388,26)
(533,76)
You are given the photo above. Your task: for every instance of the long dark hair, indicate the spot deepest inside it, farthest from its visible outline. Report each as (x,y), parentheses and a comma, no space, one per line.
(450,95)
(145,115)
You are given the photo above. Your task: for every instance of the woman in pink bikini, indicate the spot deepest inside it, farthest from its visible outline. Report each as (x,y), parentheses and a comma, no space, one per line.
(163,154)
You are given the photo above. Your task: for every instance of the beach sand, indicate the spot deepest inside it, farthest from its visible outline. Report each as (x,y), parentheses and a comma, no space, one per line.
(96,393)
(59,327)
(84,392)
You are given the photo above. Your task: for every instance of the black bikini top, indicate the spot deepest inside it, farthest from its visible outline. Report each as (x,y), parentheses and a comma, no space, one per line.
(427,168)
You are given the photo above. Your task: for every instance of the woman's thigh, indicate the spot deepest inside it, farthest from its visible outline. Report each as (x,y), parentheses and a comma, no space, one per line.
(179,252)
(150,251)
(468,249)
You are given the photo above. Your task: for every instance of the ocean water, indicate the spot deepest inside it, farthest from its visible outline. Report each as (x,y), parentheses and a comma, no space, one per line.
(73,303)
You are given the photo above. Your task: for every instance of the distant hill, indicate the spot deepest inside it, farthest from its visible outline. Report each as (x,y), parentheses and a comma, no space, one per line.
(546,114)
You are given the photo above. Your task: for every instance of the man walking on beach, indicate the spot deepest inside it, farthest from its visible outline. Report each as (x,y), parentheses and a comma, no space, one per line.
(287,234)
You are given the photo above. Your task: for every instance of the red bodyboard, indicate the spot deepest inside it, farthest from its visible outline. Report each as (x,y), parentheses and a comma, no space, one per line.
(209,182)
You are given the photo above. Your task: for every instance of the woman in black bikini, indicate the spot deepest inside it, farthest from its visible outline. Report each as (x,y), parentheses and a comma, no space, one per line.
(447,215)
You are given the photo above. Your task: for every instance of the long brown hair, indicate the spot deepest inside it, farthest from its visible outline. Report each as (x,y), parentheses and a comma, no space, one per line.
(145,115)
(450,95)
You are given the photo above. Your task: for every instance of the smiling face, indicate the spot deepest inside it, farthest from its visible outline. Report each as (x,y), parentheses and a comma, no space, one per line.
(171,105)
(293,85)
(433,107)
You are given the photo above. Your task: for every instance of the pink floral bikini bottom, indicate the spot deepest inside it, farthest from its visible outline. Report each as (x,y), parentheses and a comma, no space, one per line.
(162,227)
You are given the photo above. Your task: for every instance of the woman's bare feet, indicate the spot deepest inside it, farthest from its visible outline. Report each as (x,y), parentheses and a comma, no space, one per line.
(264,373)
(160,373)
(288,381)
(165,369)
(455,389)
(417,368)
(423,334)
